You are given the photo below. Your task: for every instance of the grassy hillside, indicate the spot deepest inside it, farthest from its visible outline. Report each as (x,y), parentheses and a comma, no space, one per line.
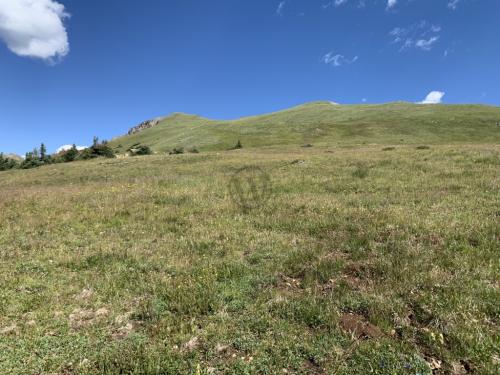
(360,261)
(323,123)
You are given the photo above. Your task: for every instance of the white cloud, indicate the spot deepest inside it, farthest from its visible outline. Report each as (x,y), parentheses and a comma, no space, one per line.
(391,3)
(434,97)
(281,6)
(340,2)
(69,147)
(34,28)
(426,44)
(337,60)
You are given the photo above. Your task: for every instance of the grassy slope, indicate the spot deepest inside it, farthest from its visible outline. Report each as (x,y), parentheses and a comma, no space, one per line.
(114,266)
(324,123)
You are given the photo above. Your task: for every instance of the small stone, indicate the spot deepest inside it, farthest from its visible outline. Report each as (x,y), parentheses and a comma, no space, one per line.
(434,364)
(221,348)
(191,344)
(8,330)
(84,363)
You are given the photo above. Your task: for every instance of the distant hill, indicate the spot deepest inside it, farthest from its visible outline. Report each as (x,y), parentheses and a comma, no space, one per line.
(323,123)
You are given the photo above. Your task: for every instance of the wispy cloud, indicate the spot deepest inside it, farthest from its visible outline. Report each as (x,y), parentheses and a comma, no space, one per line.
(434,97)
(421,35)
(337,59)
(281,7)
(452,4)
(34,28)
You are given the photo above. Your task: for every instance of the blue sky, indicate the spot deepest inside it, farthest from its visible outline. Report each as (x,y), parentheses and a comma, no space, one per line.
(71,69)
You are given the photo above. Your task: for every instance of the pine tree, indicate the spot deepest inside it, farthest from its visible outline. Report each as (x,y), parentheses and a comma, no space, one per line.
(43,152)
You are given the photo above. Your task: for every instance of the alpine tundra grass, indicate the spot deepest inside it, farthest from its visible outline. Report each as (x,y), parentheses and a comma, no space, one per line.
(360,261)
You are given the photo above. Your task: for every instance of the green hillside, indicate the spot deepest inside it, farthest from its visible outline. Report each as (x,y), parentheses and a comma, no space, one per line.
(326,123)
(356,260)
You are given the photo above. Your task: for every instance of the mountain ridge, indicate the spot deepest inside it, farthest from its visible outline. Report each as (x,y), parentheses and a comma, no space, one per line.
(322,122)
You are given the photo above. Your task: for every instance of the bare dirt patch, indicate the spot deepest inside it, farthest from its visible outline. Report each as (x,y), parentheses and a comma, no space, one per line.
(359,326)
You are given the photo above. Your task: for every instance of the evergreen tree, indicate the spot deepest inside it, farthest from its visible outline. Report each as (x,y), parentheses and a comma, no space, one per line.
(43,152)
(70,155)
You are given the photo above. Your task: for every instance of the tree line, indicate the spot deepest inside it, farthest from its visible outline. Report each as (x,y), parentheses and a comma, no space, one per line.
(39,156)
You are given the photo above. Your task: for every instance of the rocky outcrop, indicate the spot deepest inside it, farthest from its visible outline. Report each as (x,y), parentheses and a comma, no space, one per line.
(145,125)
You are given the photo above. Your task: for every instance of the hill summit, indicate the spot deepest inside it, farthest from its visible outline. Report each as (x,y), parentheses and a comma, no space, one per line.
(322,123)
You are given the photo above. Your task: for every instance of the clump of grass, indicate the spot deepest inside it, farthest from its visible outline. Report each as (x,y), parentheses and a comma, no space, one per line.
(423,148)
(388,148)
(361,171)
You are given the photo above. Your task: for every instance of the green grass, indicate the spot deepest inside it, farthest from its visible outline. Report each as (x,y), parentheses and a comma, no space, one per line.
(324,124)
(146,266)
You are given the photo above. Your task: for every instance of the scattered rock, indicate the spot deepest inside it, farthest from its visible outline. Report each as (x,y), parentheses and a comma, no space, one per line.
(357,325)
(434,364)
(221,348)
(8,330)
(84,363)
(145,125)
(120,319)
(124,331)
(191,344)
(458,369)
(287,282)
(495,359)
(85,294)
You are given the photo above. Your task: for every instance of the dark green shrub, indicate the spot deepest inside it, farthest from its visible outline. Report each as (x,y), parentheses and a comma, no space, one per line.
(7,163)
(177,151)
(139,150)
(97,150)
(237,146)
